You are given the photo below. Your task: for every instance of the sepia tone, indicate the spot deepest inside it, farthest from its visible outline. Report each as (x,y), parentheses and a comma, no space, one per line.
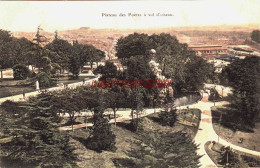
(115,84)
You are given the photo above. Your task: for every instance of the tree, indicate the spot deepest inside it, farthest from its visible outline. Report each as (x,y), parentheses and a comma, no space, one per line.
(87,53)
(69,103)
(157,149)
(136,103)
(168,118)
(108,72)
(95,55)
(243,77)
(44,80)
(132,45)
(139,69)
(228,158)
(5,36)
(115,100)
(34,139)
(177,62)
(214,96)
(38,37)
(5,60)
(74,66)
(21,72)
(102,137)
(63,51)
(255,36)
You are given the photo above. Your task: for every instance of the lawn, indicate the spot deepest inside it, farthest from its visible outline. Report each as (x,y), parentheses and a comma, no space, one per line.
(242,161)
(124,141)
(11,87)
(189,117)
(246,139)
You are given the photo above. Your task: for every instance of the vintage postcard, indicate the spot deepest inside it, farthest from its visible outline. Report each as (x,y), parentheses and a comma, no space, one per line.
(130,84)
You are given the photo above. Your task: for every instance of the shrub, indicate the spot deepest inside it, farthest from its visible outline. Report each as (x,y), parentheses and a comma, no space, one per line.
(168,118)
(164,149)
(21,72)
(102,137)
(44,80)
(214,96)
(34,139)
(136,125)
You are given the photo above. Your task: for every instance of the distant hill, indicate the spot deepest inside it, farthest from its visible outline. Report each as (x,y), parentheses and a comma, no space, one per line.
(104,38)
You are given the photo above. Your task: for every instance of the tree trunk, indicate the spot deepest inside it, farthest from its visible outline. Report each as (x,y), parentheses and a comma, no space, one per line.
(1,74)
(71,120)
(114,116)
(91,65)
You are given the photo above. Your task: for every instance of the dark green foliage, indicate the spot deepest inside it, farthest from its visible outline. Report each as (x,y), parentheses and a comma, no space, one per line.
(132,45)
(136,125)
(35,140)
(44,80)
(157,149)
(10,108)
(139,69)
(136,102)
(187,71)
(62,50)
(17,51)
(102,137)
(214,96)
(108,72)
(115,99)
(255,36)
(5,36)
(74,66)
(21,72)
(228,158)
(243,77)
(168,118)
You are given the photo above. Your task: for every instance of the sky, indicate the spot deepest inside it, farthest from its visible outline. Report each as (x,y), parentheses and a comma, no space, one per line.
(64,15)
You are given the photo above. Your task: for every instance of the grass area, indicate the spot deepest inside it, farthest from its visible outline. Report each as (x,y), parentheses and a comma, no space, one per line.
(81,119)
(215,152)
(246,139)
(11,87)
(124,142)
(67,80)
(189,117)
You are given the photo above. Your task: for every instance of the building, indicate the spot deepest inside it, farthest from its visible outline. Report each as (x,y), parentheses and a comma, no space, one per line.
(209,51)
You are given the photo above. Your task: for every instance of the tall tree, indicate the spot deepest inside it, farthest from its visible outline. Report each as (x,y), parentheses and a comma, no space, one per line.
(5,60)
(174,58)
(132,45)
(157,149)
(102,137)
(115,100)
(243,77)
(63,51)
(35,140)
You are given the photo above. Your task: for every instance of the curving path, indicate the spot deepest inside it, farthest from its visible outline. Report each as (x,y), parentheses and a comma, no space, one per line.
(207,133)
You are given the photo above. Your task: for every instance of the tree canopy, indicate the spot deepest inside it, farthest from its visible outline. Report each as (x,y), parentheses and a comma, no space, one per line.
(243,77)
(187,71)
(255,36)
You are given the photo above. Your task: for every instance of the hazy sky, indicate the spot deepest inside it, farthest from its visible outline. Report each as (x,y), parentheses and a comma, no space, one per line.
(62,15)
